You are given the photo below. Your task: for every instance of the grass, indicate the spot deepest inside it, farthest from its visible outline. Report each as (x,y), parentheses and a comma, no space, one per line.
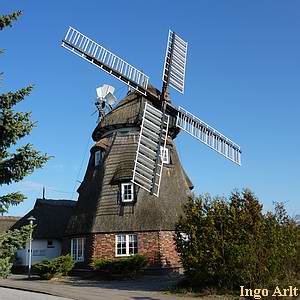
(183,288)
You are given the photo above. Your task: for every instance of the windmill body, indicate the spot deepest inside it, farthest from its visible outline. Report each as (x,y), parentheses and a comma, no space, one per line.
(135,188)
(103,215)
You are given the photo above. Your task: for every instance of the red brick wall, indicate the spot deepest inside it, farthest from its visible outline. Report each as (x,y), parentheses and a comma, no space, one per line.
(169,255)
(158,247)
(104,245)
(148,245)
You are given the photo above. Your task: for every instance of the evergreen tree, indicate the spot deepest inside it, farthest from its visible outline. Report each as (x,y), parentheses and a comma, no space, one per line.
(6,20)
(14,166)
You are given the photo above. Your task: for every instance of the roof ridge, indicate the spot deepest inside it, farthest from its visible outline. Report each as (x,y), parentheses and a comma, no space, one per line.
(55,201)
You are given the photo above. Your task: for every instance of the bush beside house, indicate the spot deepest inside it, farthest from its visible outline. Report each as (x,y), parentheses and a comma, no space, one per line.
(128,267)
(60,266)
(228,243)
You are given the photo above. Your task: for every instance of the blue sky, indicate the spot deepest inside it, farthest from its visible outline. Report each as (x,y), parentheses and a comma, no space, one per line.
(242,77)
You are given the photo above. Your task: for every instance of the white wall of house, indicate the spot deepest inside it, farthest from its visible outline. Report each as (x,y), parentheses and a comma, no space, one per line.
(41,249)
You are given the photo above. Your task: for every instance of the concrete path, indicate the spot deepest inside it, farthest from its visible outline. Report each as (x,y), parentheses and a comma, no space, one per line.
(11,294)
(145,288)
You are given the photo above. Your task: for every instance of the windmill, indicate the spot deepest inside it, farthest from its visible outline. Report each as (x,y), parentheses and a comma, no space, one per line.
(151,147)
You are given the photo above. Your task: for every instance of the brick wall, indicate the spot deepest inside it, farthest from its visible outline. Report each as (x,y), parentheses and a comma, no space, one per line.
(169,255)
(104,245)
(158,247)
(148,245)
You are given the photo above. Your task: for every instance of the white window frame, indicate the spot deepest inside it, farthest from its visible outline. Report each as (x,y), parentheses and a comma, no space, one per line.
(123,185)
(164,154)
(127,238)
(78,258)
(98,157)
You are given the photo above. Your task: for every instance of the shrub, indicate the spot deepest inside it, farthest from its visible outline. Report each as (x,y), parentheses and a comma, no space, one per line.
(5,267)
(10,242)
(298,254)
(226,244)
(59,266)
(129,266)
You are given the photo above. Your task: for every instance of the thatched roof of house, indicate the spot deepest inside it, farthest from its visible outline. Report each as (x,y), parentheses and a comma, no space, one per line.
(51,216)
(6,222)
(99,208)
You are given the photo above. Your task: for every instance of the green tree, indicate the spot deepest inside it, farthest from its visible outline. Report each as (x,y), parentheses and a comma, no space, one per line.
(14,165)
(6,20)
(228,243)
(10,242)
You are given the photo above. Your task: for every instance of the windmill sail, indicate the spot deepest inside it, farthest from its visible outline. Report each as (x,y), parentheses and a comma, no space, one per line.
(96,54)
(175,61)
(148,163)
(208,135)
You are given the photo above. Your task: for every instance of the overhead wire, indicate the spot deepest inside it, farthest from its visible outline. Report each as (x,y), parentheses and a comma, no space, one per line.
(81,165)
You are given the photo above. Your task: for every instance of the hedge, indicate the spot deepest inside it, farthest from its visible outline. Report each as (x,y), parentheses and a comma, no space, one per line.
(59,266)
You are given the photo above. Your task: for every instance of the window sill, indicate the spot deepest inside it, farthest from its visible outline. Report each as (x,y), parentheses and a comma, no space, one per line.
(125,255)
(122,255)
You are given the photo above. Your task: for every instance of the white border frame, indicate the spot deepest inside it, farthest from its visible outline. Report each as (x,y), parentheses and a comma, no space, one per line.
(127,244)
(81,259)
(122,191)
(162,156)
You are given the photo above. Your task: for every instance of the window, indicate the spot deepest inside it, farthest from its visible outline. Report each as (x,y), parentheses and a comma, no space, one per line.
(98,157)
(164,154)
(77,249)
(127,192)
(126,244)
(50,244)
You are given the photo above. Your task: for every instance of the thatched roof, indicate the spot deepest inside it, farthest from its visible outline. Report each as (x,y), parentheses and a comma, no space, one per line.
(129,113)
(6,222)
(99,208)
(51,216)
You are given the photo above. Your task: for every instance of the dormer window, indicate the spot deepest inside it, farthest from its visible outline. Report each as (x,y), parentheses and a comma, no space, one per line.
(127,192)
(98,157)
(164,154)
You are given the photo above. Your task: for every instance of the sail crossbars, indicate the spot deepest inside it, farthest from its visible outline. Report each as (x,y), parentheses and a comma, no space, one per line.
(96,54)
(149,163)
(175,62)
(208,135)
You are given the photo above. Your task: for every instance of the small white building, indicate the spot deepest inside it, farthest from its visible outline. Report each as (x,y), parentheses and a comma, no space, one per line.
(52,217)
(41,249)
